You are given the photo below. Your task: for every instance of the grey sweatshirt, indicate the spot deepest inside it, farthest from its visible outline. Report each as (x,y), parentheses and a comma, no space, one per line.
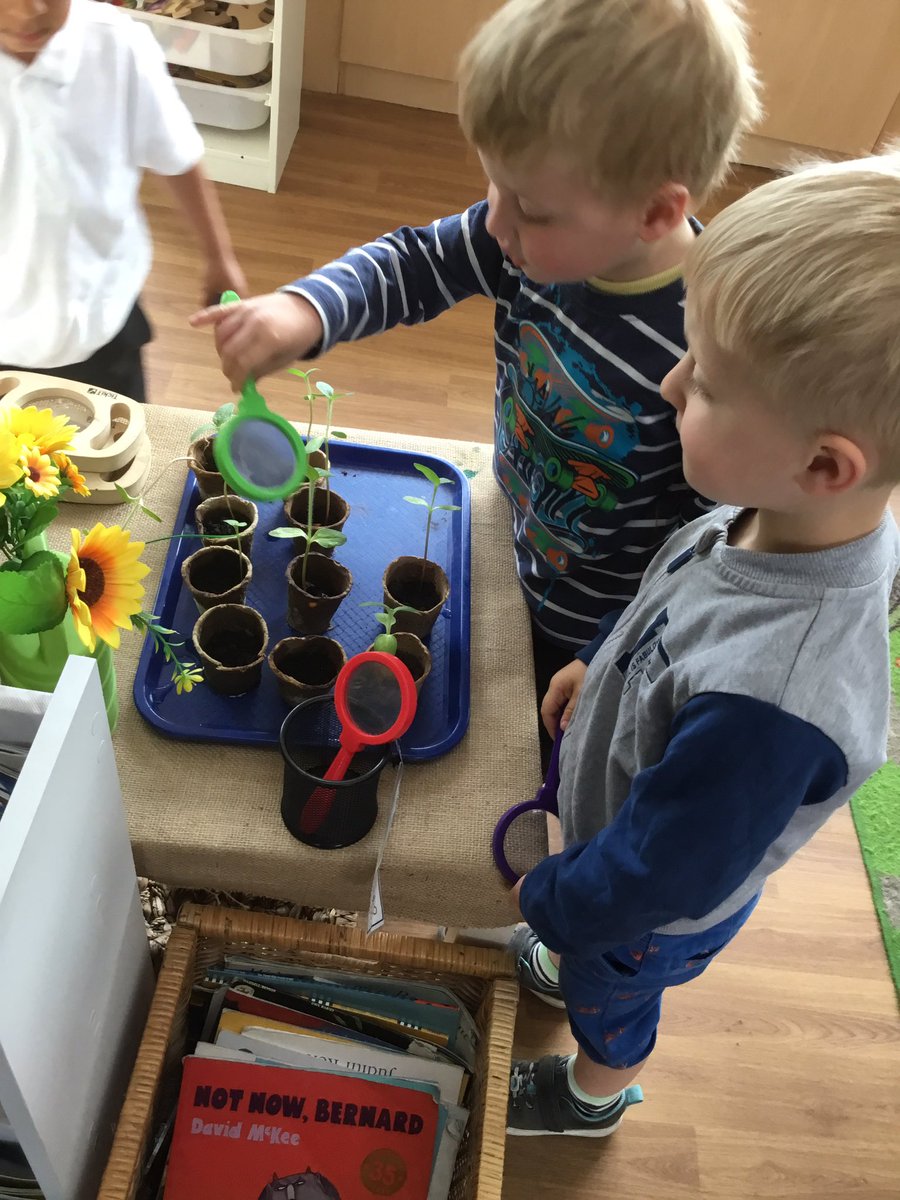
(738,701)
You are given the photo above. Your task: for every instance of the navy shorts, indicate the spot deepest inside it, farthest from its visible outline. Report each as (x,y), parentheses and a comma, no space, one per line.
(613,1002)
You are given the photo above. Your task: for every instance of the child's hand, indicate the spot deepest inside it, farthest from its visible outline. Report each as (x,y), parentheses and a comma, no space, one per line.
(261,335)
(223,275)
(562,694)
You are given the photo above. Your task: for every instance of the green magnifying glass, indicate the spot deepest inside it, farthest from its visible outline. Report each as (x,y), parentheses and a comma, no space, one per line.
(259,454)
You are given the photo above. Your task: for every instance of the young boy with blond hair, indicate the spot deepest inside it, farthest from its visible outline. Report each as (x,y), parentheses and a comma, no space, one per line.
(599,124)
(743,696)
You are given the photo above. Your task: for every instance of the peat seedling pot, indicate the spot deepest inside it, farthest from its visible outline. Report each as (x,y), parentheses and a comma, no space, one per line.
(203,464)
(419,583)
(328,582)
(414,655)
(305,666)
(330,511)
(212,517)
(230,641)
(216,575)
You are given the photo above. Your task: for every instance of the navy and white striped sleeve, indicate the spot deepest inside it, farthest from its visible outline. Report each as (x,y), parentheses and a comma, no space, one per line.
(404,277)
(692,830)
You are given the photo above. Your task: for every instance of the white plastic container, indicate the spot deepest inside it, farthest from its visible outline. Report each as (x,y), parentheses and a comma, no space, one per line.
(228,108)
(192,44)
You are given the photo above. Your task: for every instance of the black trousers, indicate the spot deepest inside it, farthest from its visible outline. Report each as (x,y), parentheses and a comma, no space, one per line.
(548,659)
(115,367)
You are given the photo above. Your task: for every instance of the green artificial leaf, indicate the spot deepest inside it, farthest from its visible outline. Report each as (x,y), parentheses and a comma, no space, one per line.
(447,507)
(417,500)
(328,537)
(434,479)
(33,598)
(148,512)
(41,518)
(287,531)
(325,388)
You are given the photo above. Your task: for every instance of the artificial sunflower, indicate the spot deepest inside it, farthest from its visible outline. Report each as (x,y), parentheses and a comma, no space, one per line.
(41,473)
(71,474)
(10,466)
(37,427)
(102,583)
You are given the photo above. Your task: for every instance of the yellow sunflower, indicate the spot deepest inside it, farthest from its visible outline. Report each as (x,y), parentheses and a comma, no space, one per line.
(41,474)
(10,466)
(102,583)
(70,472)
(37,427)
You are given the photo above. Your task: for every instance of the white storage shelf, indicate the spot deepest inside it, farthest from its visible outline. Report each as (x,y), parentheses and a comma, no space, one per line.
(191,44)
(225,107)
(248,132)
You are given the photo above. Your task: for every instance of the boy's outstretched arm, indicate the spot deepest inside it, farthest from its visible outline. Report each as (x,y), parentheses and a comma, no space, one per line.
(405,277)
(694,827)
(196,196)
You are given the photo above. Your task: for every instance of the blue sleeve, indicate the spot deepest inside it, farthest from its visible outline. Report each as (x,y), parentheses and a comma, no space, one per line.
(405,277)
(604,629)
(693,828)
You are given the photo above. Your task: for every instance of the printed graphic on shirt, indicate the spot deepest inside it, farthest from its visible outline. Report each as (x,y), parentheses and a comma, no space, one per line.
(648,656)
(563,443)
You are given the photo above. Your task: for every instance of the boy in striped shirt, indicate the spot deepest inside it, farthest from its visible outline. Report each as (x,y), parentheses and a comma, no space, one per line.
(599,123)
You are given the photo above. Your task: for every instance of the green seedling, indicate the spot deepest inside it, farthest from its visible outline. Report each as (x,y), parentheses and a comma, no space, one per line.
(436,481)
(326,538)
(386,642)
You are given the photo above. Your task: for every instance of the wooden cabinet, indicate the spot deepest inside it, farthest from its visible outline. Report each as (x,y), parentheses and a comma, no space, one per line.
(402,51)
(830,68)
(830,72)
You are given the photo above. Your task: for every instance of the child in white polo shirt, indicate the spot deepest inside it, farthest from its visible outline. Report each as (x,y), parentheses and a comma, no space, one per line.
(86,105)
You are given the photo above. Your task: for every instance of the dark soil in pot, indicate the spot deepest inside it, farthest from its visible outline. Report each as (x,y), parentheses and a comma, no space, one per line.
(216,575)
(328,582)
(203,464)
(212,517)
(306,666)
(422,585)
(230,641)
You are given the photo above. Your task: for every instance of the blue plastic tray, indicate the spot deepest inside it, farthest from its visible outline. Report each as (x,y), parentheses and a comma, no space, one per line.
(381,526)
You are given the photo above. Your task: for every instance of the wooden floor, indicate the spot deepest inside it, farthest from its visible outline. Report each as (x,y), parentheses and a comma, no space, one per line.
(778,1074)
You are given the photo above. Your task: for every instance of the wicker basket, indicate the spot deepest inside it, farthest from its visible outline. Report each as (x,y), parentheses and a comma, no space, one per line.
(483,979)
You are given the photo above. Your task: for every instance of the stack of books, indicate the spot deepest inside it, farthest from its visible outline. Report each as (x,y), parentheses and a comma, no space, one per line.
(320,1084)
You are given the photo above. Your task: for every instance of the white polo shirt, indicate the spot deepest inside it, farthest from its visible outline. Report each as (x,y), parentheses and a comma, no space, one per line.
(77,128)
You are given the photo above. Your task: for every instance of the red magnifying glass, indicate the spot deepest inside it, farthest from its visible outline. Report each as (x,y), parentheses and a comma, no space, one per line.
(375,700)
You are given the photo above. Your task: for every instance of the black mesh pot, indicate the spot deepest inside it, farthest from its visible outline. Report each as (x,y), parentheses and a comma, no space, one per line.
(326,815)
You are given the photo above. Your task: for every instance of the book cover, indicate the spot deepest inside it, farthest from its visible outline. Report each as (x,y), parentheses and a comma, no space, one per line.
(382,1031)
(309,1022)
(244,1131)
(444,1010)
(317,1053)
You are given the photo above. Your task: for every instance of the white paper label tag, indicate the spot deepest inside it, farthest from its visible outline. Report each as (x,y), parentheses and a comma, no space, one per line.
(376,908)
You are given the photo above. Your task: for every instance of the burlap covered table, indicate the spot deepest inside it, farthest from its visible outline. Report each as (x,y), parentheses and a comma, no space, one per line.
(207,815)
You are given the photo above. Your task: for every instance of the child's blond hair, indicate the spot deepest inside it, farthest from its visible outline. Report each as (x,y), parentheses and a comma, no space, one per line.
(800,281)
(632,93)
